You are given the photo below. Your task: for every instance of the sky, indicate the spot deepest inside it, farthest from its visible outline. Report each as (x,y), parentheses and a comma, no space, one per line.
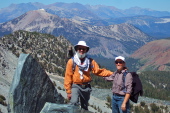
(159,5)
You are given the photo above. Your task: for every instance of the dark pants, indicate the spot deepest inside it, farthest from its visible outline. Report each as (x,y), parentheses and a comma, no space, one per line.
(82,94)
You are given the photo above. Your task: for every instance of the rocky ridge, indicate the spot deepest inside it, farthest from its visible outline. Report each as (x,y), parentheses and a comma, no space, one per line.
(50,51)
(8,63)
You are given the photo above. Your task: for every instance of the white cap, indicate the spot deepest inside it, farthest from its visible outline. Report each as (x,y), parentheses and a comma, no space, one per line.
(121,58)
(81,43)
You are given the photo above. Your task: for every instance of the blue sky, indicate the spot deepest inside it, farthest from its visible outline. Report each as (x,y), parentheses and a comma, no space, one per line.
(160,5)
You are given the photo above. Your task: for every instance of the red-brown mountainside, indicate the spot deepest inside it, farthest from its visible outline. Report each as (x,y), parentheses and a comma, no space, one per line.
(154,55)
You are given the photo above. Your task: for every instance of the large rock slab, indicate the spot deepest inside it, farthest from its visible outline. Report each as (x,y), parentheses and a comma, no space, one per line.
(59,108)
(31,87)
(62,108)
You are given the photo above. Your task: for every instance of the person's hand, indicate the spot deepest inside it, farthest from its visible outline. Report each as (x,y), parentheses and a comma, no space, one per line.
(69,96)
(123,107)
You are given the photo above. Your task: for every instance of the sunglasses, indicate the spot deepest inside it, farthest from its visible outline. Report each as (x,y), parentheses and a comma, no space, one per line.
(82,49)
(120,62)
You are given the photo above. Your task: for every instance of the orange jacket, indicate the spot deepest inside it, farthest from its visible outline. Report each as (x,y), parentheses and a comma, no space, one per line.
(74,77)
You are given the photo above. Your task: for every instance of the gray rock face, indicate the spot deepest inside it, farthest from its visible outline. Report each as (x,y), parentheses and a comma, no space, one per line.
(31,87)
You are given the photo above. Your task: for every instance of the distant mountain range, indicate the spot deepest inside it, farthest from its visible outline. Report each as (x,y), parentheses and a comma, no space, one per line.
(105,41)
(154,23)
(72,10)
(157,27)
(107,30)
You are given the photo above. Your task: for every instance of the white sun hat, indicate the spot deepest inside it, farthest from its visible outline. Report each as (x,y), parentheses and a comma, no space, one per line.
(81,43)
(121,58)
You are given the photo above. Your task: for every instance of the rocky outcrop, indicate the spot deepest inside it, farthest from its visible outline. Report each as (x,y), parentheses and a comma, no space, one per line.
(31,87)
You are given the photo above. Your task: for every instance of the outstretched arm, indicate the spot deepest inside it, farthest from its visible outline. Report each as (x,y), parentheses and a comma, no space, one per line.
(109,78)
(98,71)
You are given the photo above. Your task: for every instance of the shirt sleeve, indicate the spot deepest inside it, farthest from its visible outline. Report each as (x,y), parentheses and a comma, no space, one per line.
(128,83)
(109,78)
(68,76)
(98,71)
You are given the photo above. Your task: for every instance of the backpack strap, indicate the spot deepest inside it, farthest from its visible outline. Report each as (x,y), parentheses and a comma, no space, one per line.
(90,66)
(74,64)
(124,77)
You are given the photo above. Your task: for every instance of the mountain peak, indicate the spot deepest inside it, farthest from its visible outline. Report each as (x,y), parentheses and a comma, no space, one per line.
(40,13)
(31,19)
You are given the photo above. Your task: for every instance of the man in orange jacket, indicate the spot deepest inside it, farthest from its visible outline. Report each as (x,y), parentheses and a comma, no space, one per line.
(77,80)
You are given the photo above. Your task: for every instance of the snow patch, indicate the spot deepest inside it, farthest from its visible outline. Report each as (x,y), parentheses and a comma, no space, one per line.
(164,20)
(42,9)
